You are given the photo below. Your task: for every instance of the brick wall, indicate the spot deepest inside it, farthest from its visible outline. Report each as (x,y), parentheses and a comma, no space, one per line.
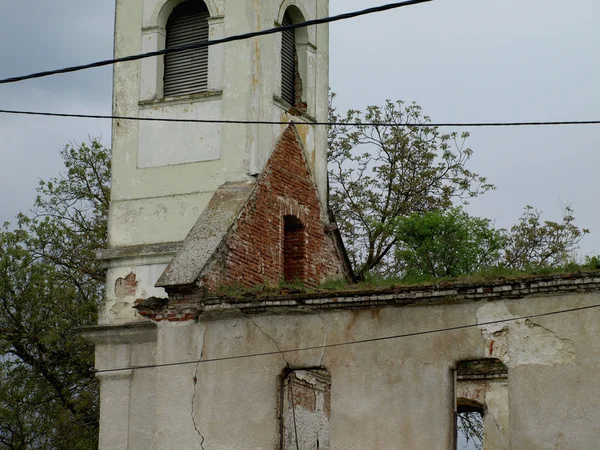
(306,410)
(298,89)
(254,249)
(125,287)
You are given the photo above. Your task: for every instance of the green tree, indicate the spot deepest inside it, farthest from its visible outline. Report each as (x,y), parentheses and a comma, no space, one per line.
(379,173)
(532,243)
(447,244)
(50,284)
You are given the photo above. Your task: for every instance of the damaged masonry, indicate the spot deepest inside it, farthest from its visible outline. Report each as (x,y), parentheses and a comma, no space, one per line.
(384,394)
(198,206)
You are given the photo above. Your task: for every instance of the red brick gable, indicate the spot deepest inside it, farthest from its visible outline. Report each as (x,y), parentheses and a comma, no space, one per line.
(260,247)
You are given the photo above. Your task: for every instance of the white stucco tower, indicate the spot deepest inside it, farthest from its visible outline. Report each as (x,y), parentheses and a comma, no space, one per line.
(165,173)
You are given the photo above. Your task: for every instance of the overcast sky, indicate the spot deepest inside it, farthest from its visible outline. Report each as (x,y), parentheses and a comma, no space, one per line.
(461,60)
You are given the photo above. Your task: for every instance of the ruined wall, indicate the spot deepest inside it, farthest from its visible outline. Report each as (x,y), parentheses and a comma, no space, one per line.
(389,394)
(254,252)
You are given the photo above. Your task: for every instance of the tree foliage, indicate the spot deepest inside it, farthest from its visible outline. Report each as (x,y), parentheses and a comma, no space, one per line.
(380,172)
(51,284)
(393,191)
(533,243)
(447,244)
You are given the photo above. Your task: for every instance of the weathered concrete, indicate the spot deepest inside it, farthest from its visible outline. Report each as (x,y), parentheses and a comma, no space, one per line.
(389,394)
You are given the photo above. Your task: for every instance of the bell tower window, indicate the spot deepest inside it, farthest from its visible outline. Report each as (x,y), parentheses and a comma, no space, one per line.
(289,62)
(186,72)
(294,60)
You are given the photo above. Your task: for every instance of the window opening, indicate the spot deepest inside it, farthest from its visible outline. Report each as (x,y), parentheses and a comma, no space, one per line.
(469,425)
(289,62)
(478,424)
(186,72)
(294,249)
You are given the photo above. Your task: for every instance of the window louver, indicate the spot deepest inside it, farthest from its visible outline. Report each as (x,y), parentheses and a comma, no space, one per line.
(288,63)
(186,72)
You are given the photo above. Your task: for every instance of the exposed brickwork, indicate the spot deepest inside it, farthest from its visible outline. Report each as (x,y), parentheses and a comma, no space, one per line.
(306,409)
(125,287)
(196,305)
(253,252)
(447,292)
(177,308)
(298,89)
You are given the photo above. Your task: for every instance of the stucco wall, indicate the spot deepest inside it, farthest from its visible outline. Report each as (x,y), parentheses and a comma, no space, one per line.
(392,394)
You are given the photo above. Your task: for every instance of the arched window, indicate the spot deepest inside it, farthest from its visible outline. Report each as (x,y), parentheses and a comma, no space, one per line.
(186,72)
(289,62)
(294,249)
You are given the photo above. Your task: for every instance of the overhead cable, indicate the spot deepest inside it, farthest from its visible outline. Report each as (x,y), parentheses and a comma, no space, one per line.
(361,341)
(274,122)
(197,45)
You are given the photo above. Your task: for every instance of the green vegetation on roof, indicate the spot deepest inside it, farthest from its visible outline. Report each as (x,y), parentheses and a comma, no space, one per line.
(374,282)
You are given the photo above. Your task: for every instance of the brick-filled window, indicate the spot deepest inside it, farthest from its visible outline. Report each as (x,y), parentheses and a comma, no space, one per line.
(306,410)
(294,249)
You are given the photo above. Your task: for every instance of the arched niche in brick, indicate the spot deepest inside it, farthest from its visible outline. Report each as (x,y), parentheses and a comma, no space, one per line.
(294,249)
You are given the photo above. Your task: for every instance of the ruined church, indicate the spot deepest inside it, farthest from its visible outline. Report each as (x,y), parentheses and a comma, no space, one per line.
(201,207)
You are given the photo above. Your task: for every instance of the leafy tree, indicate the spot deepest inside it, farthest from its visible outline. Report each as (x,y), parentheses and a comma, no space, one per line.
(533,244)
(379,172)
(447,244)
(392,189)
(50,284)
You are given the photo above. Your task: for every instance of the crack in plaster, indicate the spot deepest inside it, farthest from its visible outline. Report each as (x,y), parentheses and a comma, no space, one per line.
(326,340)
(548,330)
(270,338)
(195,380)
(493,417)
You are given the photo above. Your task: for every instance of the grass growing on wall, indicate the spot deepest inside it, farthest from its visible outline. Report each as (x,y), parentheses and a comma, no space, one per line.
(374,282)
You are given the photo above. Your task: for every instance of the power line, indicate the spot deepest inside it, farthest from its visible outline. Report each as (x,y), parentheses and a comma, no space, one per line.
(269,122)
(361,341)
(198,45)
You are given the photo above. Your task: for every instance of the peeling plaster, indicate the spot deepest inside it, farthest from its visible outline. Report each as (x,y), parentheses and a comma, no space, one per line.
(522,342)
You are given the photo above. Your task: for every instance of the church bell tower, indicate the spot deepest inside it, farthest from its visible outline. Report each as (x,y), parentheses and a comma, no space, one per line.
(164,174)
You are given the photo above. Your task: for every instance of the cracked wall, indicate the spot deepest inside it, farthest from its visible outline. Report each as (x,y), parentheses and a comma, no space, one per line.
(384,395)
